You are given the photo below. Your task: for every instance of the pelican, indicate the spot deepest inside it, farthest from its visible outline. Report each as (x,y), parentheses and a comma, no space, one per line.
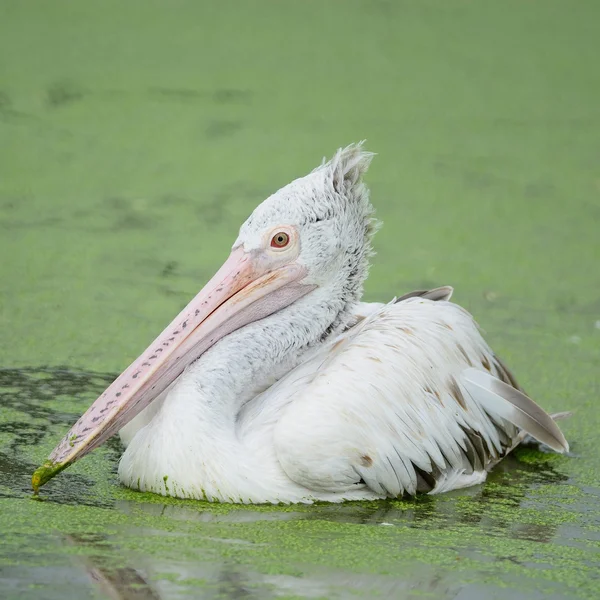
(276,384)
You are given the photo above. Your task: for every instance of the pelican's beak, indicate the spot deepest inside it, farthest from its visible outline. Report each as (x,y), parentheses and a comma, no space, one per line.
(245,289)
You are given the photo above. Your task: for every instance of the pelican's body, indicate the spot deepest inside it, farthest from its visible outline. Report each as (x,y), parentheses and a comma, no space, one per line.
(287,388)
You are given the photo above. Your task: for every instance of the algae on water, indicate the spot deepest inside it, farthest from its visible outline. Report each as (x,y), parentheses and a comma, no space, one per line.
(135,139)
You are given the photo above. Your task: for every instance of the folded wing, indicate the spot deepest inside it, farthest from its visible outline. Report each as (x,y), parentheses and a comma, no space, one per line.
(409,399)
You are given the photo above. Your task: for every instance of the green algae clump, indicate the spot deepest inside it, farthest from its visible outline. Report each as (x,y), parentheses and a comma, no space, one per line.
(45,473)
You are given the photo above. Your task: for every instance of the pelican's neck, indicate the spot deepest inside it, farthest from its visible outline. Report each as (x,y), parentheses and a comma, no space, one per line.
(249,360)
(192,440)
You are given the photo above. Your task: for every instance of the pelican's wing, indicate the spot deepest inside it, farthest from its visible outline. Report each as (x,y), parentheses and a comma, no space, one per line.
(441,293)
(410,399)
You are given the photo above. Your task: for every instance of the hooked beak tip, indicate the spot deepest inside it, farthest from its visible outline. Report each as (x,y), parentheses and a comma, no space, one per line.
(44,473)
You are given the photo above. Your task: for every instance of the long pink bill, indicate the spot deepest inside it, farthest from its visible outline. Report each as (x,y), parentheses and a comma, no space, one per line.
(242,291)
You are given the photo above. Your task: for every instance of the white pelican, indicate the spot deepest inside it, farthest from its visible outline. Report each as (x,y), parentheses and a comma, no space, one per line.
(277,384)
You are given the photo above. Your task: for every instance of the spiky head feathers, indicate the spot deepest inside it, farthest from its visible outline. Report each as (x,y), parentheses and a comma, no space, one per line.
(331,210)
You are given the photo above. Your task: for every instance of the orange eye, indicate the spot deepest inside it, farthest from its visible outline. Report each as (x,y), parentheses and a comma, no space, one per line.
(280,240)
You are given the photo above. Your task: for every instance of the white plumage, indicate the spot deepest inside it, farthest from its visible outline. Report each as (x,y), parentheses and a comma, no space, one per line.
(308,393)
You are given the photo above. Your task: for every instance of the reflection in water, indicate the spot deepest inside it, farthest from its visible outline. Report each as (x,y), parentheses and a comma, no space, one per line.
(469,507)
(29,418)
(116,582)
(236,581)
(233,583)
(515,478)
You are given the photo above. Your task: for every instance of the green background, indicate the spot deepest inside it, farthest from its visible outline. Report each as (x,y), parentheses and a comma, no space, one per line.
(136,136)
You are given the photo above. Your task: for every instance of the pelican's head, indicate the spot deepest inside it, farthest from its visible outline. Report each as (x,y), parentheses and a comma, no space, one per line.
(321,222)
(314,232)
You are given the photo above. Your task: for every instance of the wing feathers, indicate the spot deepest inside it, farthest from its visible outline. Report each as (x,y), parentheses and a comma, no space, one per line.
(409,400)
(440,293)
(499,399)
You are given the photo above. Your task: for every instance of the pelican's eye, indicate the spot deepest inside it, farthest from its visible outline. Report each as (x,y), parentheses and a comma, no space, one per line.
(280,240)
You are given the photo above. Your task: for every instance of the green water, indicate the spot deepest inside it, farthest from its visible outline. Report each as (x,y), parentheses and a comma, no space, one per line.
(135,137)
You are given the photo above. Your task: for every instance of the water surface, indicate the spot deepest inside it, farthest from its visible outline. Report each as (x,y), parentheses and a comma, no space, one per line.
(136,136)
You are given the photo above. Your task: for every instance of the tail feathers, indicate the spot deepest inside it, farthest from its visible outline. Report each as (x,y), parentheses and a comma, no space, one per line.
(530,441)
(499,399)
